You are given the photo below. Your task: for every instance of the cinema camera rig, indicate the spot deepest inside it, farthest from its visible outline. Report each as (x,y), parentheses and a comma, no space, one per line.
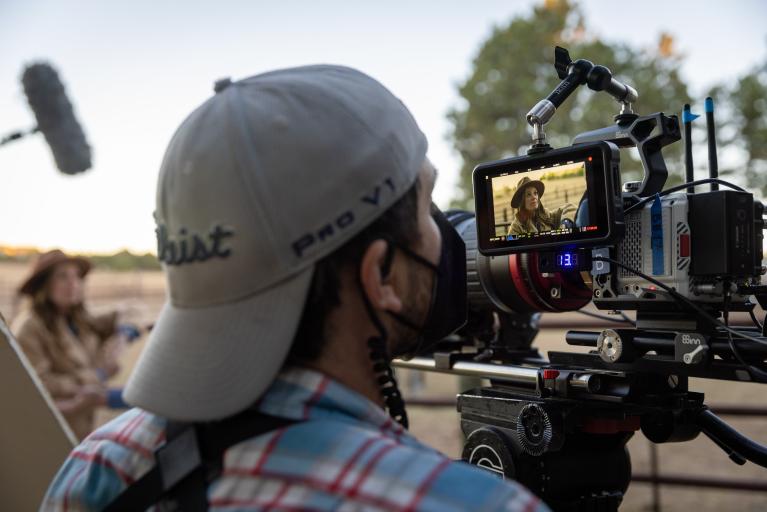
(682,260)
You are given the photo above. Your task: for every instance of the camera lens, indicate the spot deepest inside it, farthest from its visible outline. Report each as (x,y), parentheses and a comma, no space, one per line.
(513,283)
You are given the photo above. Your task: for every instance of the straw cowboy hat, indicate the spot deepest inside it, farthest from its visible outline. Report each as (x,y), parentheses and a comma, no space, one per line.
(44,265)
(516,200)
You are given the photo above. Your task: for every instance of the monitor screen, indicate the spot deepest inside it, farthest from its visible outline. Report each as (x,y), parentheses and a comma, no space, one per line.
(539,203)
(563,197)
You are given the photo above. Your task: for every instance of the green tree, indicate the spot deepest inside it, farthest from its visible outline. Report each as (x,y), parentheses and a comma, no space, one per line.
(514,70)
(125,260)
(741,116)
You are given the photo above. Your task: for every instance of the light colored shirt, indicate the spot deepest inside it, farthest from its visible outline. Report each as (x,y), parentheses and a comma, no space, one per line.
(67,359)
(550,221)
(344,453)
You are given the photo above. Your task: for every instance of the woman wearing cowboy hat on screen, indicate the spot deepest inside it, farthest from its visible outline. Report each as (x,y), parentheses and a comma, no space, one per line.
(73,352)
(530,215)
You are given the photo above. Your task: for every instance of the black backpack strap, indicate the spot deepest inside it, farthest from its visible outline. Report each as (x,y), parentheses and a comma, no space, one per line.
(191,458)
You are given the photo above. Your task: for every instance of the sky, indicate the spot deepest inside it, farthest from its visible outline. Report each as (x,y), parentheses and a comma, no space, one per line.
(135,69)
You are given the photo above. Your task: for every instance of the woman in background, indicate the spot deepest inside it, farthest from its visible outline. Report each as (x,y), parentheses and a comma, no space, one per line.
(73,352)
(531,216)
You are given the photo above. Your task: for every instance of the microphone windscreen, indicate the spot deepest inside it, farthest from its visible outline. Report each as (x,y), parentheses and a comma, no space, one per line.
(56,118)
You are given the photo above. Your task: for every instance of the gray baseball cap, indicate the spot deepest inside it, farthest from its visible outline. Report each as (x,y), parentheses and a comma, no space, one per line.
(268,176)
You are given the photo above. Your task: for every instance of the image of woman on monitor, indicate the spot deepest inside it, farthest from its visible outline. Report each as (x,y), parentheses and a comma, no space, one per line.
(530,215)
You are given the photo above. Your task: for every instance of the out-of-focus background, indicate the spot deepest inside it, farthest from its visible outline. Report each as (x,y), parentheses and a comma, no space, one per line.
(469,71)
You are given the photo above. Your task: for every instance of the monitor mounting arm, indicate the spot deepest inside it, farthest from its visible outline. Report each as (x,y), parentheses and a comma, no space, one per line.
(574,74)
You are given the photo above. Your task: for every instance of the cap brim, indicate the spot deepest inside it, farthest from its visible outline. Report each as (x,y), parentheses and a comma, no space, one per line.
(209,363)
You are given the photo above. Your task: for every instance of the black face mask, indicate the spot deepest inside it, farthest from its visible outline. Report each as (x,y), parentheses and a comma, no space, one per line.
(447,312)
(449,303)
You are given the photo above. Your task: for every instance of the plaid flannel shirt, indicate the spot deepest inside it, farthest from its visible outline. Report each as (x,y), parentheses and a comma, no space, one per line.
(344,454)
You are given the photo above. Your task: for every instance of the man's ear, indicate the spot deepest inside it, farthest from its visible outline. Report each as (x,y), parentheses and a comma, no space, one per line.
(377,286)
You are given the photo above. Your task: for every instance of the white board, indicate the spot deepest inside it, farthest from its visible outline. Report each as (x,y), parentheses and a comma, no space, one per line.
(34,437)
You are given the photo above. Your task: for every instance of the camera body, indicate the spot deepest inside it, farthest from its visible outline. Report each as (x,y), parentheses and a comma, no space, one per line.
(706,246)
(703,245)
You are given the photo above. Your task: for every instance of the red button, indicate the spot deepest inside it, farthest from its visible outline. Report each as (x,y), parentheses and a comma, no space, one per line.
(550,374)
(684,246)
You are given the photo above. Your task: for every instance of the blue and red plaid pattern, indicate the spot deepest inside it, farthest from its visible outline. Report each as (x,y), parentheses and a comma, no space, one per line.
(346,454)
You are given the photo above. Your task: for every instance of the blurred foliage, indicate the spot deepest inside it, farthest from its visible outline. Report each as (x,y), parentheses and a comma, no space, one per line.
(741,116)
(515,69)
(119,261)
(126,260)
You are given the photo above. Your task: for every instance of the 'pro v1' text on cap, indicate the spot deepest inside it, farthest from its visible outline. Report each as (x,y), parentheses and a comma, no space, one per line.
(268,176)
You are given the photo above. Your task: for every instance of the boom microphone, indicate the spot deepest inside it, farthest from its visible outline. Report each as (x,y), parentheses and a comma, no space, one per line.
(56,118)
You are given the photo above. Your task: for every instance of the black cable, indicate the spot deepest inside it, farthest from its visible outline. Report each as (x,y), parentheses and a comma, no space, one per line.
(752,369)
(755,371)
(679,298)
(379,355)
(720,431)
(387,384)
(680,187)
(624,318)
(755,320)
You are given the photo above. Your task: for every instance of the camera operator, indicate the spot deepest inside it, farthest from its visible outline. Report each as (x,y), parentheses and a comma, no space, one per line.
(302,253)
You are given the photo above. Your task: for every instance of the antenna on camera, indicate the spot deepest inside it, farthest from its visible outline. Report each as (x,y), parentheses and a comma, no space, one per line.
(689,172)
(574,74)
(713,166)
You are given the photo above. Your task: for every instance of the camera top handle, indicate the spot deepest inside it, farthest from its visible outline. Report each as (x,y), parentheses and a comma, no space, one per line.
(649,134)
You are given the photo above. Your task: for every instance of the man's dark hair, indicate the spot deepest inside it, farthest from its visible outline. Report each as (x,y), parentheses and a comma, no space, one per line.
(399,225)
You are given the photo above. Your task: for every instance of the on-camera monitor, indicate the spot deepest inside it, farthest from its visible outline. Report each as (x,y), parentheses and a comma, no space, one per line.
(562,197)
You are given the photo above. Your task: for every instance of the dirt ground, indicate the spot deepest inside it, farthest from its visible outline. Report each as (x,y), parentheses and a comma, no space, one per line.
(140,296)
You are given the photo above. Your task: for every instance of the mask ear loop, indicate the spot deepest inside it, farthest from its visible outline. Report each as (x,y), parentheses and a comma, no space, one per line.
(402,318)
(420,259)
(379,355)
